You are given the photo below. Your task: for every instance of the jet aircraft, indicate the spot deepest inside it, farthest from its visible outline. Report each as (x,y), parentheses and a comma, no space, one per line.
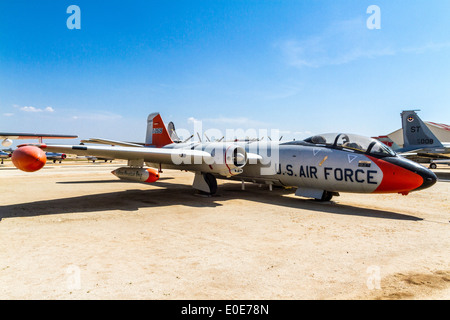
(93,159)
(420,143)
(4,155)
(318,167)
(55,156)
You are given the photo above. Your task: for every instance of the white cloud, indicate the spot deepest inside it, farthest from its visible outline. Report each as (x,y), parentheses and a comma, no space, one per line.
(192,120)
(341,43)
(30,109)
(34,109)
(8,114)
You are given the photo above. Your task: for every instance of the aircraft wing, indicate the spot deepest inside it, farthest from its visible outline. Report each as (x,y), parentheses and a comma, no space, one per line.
(154,155)
(426,155)
(14,135)
(407,154)
(423,152)
(419,155)
(182,158)
(112,142)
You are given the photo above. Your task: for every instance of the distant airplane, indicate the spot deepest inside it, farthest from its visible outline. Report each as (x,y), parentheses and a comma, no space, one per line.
(318,167)
(93,159)
(4,155)
(55,156)
(419,143)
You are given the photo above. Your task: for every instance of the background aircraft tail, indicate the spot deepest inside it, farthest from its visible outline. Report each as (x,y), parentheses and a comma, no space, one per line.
(416,135)
(387,141)
(157,134)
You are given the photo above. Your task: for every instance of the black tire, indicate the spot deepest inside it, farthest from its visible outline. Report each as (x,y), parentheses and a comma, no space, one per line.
(211,181)
(327,196)
(433,166)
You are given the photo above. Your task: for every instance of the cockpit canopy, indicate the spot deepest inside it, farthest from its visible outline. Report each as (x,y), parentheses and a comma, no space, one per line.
(352,142)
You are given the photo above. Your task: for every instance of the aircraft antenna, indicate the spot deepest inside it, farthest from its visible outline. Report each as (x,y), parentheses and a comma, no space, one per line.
(188,139)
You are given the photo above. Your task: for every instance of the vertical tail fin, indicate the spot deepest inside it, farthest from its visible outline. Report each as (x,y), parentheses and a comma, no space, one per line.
(157,134)
(416,135)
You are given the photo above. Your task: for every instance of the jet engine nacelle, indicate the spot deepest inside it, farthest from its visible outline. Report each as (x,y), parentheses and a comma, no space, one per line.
(28,158)
(227,160)
(148,175)
(224,159)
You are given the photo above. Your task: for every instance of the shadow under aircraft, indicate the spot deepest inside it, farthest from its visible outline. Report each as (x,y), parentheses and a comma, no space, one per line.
(135,199)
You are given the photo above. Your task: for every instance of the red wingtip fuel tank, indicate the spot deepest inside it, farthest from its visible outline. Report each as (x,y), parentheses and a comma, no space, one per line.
(28,158)
(403,176)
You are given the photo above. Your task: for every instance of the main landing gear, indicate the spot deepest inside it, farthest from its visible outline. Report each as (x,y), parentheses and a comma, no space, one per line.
(205,183)
(326,196)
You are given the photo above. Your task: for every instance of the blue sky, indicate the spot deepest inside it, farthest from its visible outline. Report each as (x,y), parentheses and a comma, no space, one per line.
(302,67)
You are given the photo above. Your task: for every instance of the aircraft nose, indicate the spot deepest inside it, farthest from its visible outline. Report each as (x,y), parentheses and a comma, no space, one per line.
(428,176)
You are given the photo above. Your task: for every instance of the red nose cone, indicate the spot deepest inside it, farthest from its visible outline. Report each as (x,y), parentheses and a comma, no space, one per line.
(396,178)
(153,175)
(29,158)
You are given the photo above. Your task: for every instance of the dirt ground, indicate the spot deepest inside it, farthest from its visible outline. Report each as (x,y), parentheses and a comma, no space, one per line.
(74,231)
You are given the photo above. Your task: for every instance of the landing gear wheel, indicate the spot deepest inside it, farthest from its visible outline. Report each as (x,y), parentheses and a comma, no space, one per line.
(211,181)
(327,196)
(433,166)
